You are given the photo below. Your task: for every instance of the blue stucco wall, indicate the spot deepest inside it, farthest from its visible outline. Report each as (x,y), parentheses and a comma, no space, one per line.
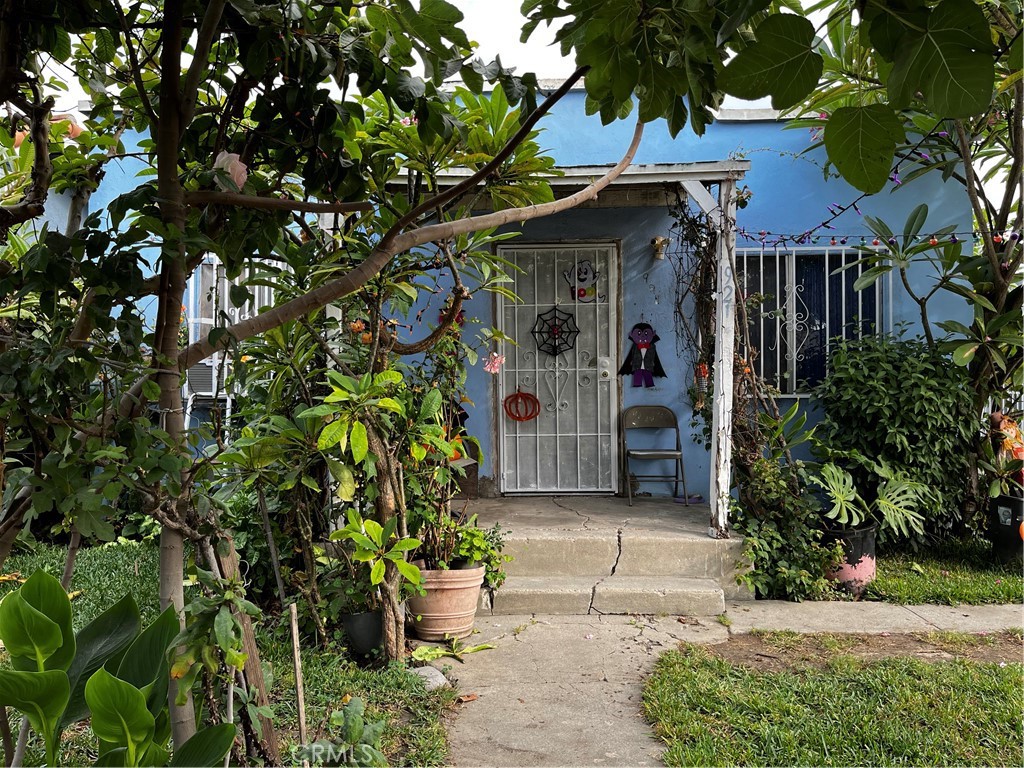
(790,195)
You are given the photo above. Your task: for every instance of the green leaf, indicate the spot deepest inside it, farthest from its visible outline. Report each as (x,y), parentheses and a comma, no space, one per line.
(358,442)
(239,295)
(386,378)
(224,628)
(206,749)
(740,16)
(781,64)
(861,143)
(105,47)
(405,545)
(914,222)
(409,571)
(29,636)
(119,714)
(963,354)
(950,62)
(104,638)
(431,405)
(390,404)
(146,665)
(41,697)
(870,276)
(377,572)
(332,434)
(346,483)
(374,531)
(44,593)
(151,390)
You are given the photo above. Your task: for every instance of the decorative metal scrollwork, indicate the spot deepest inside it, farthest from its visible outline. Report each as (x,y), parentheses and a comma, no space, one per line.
(556,376)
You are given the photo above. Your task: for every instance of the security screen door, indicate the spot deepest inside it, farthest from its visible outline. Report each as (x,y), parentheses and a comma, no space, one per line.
(565,328)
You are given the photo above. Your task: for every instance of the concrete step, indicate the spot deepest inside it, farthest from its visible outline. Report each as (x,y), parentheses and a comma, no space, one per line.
(553,552)
(578,595)
(644,553)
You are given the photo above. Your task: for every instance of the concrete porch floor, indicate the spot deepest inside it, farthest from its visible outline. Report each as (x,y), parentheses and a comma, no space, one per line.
(575,555)
(592,513)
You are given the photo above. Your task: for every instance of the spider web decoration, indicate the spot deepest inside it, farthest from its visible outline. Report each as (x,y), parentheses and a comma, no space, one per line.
(555,331)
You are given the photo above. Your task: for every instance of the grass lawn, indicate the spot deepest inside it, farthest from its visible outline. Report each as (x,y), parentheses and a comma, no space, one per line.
(817,702)
(953,574)
(415,732)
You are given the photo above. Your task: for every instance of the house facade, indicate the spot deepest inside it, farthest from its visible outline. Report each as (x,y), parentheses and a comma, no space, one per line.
(598,272)
(590,277)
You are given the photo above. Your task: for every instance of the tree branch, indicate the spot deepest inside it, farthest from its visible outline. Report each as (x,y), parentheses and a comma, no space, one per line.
(503,154)
(448,319)
(385,251)
(199,68)
(1013,178)
(972,194)
(133,59)
(33,202)
(238,200)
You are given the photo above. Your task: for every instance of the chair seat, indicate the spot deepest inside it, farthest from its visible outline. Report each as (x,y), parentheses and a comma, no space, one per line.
(653,453)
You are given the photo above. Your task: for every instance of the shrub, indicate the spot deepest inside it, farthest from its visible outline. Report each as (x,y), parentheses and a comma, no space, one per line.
(899,401)
(782,534)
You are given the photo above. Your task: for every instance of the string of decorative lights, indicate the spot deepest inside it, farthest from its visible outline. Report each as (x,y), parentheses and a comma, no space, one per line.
(767,237)
(835,210)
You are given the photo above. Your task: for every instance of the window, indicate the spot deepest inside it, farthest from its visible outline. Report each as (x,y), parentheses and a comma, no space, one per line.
(809,300)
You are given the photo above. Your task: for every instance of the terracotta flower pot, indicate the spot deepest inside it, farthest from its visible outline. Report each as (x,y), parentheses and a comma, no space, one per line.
(858,569)
(449,605)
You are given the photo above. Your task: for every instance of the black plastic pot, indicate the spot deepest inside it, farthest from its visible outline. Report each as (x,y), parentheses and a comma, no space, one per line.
(858,568)
(365,632)
(1005,514)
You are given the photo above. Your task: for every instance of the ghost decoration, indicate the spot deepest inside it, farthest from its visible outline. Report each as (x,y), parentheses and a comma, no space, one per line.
(642,359)
(583,282)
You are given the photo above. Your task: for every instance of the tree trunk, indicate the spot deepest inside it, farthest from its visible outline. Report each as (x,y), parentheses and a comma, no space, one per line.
(387,507)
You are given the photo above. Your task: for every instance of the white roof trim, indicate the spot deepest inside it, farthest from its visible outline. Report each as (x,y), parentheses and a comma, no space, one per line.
(653,173)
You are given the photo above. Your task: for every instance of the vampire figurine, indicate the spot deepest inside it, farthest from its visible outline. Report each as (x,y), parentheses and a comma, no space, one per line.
(642,360)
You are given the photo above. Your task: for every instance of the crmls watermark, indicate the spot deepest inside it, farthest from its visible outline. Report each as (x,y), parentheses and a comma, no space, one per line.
(322,753)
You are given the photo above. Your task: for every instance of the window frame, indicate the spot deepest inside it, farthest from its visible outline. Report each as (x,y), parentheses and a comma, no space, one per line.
(786,271)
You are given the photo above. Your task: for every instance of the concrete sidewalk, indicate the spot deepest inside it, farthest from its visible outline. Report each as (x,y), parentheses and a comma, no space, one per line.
(565,690)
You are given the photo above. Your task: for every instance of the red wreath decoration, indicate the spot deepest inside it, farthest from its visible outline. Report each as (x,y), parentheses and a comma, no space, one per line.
(521,406)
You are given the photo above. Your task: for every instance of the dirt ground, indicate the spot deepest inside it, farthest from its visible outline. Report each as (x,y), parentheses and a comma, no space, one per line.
(777,651)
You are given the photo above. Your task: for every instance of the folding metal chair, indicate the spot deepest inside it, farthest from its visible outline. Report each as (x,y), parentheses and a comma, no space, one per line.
(654,418)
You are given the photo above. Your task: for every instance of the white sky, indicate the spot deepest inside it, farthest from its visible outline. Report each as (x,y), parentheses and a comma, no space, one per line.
(496,26)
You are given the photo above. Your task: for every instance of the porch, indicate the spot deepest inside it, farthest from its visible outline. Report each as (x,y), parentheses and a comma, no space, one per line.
(577,555)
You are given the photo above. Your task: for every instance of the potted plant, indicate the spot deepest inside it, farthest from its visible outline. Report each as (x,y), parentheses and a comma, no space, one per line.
(894,506)
(366,546)
(1003,463)
(452,576)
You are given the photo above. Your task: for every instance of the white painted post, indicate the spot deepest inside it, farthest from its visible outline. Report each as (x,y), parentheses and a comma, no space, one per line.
(725,334)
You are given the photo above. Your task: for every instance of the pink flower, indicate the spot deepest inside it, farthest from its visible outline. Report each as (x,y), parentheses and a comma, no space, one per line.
(494,363)
(232,165)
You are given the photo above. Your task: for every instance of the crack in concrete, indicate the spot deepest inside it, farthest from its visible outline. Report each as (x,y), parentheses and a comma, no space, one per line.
(618,555)
(586,518)
(927,621)
(593,592)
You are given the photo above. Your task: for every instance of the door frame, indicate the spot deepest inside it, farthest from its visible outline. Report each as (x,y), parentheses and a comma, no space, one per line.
(615,332)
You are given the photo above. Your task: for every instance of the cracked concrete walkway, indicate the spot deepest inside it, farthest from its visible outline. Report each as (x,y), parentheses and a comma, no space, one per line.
(563,690)
(566,690)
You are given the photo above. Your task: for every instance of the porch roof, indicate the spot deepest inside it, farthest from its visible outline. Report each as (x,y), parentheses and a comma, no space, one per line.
(635,175)
(647,185)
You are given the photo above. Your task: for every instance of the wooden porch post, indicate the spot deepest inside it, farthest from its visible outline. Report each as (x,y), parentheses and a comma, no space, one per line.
(725,333)
(724,211)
